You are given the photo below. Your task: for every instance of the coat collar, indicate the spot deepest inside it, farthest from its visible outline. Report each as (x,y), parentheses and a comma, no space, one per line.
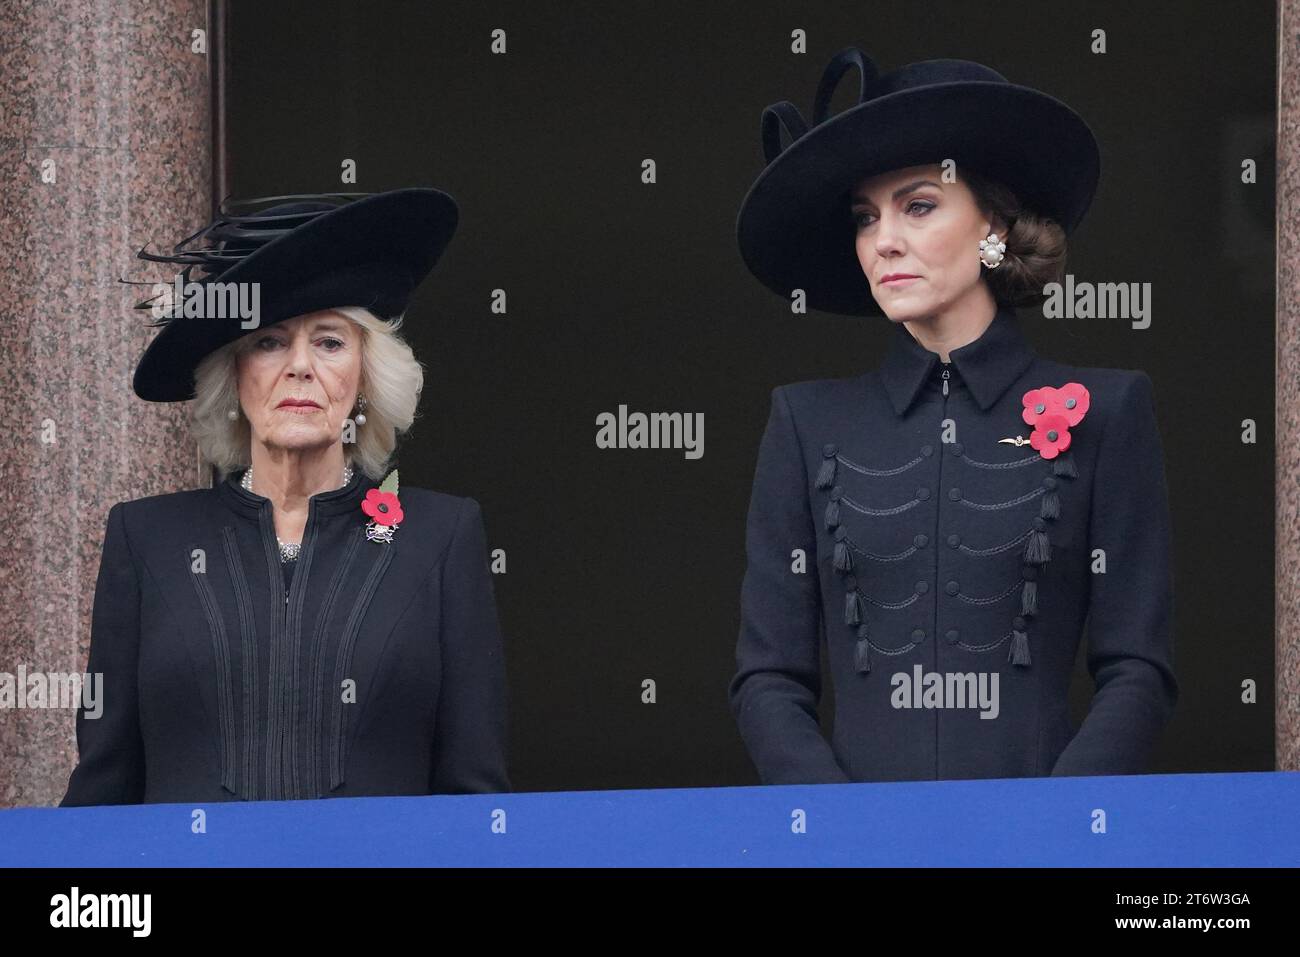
(987,366)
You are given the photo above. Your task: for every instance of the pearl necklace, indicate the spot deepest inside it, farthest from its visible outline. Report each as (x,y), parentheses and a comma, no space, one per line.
(289,550)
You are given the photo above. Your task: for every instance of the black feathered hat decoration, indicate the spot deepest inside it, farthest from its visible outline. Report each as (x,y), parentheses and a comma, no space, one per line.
(256,264)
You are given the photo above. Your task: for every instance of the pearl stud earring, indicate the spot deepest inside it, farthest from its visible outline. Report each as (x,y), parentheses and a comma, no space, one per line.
(992,251)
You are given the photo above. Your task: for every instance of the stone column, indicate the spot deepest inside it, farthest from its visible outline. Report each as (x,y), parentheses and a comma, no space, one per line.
(105,144)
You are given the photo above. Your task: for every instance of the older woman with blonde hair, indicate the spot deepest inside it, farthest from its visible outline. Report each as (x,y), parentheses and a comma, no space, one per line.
(303,629)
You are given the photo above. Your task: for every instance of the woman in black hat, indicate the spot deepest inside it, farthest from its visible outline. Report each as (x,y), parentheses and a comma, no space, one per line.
(303,629)
(946,522)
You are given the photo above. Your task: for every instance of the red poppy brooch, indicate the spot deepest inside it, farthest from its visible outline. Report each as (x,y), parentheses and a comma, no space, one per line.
(1052,412)
(385,511)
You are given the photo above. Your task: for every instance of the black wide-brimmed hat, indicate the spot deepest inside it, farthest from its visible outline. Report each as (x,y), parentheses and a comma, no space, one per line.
(795,228)
(306,253)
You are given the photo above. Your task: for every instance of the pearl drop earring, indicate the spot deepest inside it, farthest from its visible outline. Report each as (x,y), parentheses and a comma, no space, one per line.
(360,417)
(233,414)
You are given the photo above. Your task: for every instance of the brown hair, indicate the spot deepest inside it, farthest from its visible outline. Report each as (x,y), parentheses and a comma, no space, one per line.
(1036,245)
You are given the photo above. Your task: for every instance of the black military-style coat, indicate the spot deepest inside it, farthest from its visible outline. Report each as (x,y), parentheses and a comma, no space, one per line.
(936,553)
(361,668)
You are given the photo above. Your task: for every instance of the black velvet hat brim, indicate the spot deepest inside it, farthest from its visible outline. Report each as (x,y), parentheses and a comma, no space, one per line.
(372,252)
(795,228)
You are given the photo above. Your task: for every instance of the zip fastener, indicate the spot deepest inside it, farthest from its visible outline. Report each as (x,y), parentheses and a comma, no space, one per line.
(946,374)
(304,558)
(278,684)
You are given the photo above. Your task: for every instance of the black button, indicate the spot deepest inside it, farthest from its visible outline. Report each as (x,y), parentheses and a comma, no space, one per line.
(1018,623)
(840,533)
(918,634)
(1040,523)
(922,493)
(952,636)
(921,541)
(835,494)
(956,448)
(954,540)
(851,582)
(954,494)
(952,588)
(927,450)
(1050,481)
(1030,573)
(828,451)
(922,587)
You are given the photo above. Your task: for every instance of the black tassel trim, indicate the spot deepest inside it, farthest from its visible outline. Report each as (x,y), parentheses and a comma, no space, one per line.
(832,513)
(1029,599)
(1051,505)
(1063,464)
(862,655)
(843,560)
(1038,550)
(1019,653)
(852,609)
(826,474)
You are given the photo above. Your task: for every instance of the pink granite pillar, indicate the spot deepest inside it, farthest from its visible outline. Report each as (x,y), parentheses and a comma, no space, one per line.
(1287,463)
(105,143)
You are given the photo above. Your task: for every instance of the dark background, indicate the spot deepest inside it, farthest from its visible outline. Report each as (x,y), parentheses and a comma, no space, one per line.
(626,564)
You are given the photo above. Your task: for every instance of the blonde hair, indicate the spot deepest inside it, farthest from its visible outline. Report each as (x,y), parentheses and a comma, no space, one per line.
(391,380)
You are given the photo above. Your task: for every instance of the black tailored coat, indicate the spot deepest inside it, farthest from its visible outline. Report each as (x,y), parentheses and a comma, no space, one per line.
(930,545)
(225,669)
